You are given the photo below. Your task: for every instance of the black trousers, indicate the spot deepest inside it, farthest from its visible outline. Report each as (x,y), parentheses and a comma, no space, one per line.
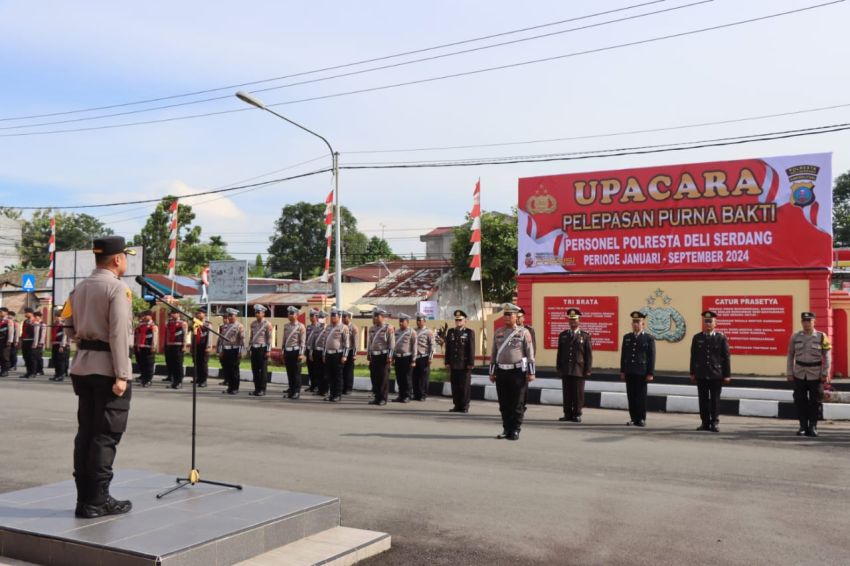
(146,360)
(348,372)
(174,356)
(101,421)
(808,395)
(230,368)
(403,370)
(60,361)
(38,359)
(13,357)
(260,368)
(636,393)
(709,397)
(421,374)
(293,371)
(5,357)
(26,353)
(311,371)
(320,384)
(511,385)
(333,374)
(379,374)
(461,388)
(201,363)
(572,388)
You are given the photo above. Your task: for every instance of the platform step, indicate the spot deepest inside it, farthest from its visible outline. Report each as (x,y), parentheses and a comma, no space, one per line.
(339,546)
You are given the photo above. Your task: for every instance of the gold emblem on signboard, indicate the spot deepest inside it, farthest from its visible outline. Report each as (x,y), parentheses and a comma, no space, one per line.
(541,202)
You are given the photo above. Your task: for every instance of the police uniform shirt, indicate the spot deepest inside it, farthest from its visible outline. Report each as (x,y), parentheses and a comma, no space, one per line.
(710,356)
(336,338)
(510,347)
(381,339)
(59,336)
(261,334)
(234,337)
(294,336)
(809,355)
(405,343)
(40,335)
(313,332)
(321,336)
(101,309)
(575,353)
(460,348)
(637,355)
(352,337)
(425,342)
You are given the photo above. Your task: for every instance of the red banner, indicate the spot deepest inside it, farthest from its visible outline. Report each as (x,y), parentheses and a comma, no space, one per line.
(755,213)
(598,317)
(756,325)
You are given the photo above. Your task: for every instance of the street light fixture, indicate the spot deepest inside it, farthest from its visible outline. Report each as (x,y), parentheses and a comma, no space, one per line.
(247,98)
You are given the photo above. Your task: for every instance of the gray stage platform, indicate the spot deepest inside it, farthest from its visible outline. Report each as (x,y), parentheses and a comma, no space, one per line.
(201,524)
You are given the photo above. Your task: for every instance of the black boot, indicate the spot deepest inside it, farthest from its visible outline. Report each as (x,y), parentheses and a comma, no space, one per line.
(105,504)
(83,492)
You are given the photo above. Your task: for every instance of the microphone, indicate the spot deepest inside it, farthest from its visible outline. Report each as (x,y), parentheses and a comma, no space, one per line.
(145,285)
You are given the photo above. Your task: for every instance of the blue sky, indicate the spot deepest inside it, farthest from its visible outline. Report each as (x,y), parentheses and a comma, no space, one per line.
(57,56)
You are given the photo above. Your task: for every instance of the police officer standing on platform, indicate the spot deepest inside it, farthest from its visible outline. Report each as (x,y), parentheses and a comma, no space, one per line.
(711,367)
(336,349)
(574,363)
(402,355)
(808,368)
(261,347)
(60,347)
(176,338)
(145,347)
(637,366)
(424,353)
(100,319)
(348,368)
(380,342)
(293,345)
(229,348)
(512,369)
(201,346)
(460,359)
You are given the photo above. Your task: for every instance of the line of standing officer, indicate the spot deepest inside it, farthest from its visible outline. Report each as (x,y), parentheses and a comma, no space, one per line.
(711,368)
(574,363)
(637,367)
(294,348)
(808,368)
(460,359)
(512,369)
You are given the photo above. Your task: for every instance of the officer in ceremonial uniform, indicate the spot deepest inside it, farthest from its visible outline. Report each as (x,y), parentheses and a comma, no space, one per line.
(574,363)
(5,342)
(312,332)
(809,357)
(318,355)
(39,343)
(261,347)
(27,338)
(336,345)
(711,367)
(380,342)
(59,345)
(424,353)
(229,347)
(99,318)
(511,369)
(200,346)
(348,368)
(460,359)
(294,348)
(405,344)
(176,339)
(145,346)
(637,367)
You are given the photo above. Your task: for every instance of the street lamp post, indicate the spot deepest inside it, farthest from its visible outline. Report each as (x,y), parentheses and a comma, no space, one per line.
(245,97)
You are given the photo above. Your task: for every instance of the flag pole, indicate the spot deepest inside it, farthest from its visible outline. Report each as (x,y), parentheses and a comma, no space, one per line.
(172,245)
(475,263)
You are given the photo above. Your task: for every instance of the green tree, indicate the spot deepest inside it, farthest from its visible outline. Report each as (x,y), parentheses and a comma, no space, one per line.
(259,269)
(191,258)
(155,234)
(9,212)
(73,232)
(498,254)
(841,211)
(298,245)
(378,249)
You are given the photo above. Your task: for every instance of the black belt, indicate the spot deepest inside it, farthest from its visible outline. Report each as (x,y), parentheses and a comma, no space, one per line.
(95,345)
(809,364)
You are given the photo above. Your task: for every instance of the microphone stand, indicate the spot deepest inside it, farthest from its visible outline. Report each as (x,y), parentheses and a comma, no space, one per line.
(194,476)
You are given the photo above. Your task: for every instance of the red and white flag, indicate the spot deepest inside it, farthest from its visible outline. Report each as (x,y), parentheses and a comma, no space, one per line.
(475,239)
(172,241)
(51,248)
(329,220)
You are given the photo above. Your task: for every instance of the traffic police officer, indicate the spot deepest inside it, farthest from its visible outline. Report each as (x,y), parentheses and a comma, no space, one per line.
(711,367)
(318,355)
(460,359)
(511,369)
(336,349)
(637,366)
(100,318)
(261,347)
(176,339)
(145,346)
(402,355)
(201,346)
(60,353)
(294,341)
(229,348)
(312,332)
(574,363)
(348,368)
(808,368)
(380,342)
(425,347)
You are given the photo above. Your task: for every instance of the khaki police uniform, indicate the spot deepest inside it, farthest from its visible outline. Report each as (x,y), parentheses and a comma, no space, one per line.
(809,360)
(294,347)
(319,357)
(350,357)
(405,344)
(229,348)
(312,332)
(512,362)
(379,343)
(336,345)
(261,345)
(426,345)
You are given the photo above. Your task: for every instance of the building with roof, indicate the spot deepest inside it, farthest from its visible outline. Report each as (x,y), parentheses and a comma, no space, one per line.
(438,242)
(11,234)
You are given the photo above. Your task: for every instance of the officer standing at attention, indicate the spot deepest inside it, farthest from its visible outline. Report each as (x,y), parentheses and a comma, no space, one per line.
(100,319)
(5,334)
(336,348)
(14,339)
(176,338)
(39,343)
(460,359)
(574,363)
(405,344)
(424,353)
(294,344)
(27,336)
(261,347)
(380,342)
(60,353)
(348,368)
(512,369)
(145,346)
(229,348)
(808,368)
(637,366)
(312,332)
(711,367)
(318,355)
(200,346)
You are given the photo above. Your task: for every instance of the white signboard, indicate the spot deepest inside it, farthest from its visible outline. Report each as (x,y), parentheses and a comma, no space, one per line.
(228,281)
(429,308)
(72,266)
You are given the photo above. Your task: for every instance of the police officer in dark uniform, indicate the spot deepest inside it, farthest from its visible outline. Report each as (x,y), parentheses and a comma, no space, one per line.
(711,368)
(574,362)
(637,366)
(200,346)
(145,346)
(5,341)
(460,359)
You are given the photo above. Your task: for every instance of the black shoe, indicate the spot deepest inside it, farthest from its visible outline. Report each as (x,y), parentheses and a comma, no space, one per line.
(60,378)
(373,402)
(454,410)
(204,384)
(630,423)
(79,511)
(504,434)
(713,428)
(347,392)
(565,419)
(178,386)
(111,507)
(222,382)
(25,376)
(812,431)
(146,384)
(399,400)
(513,436)
(230,392)
(802,431)
(335,399)
(576,419)
(165,379)
(257,393)
(640,424)
(40,373)
(295,395)
(702,427)
(382,402)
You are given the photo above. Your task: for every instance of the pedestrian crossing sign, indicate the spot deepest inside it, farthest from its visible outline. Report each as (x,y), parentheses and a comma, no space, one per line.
(28,282)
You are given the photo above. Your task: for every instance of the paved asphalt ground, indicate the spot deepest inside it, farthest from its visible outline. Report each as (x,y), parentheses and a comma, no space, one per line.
(450,494)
